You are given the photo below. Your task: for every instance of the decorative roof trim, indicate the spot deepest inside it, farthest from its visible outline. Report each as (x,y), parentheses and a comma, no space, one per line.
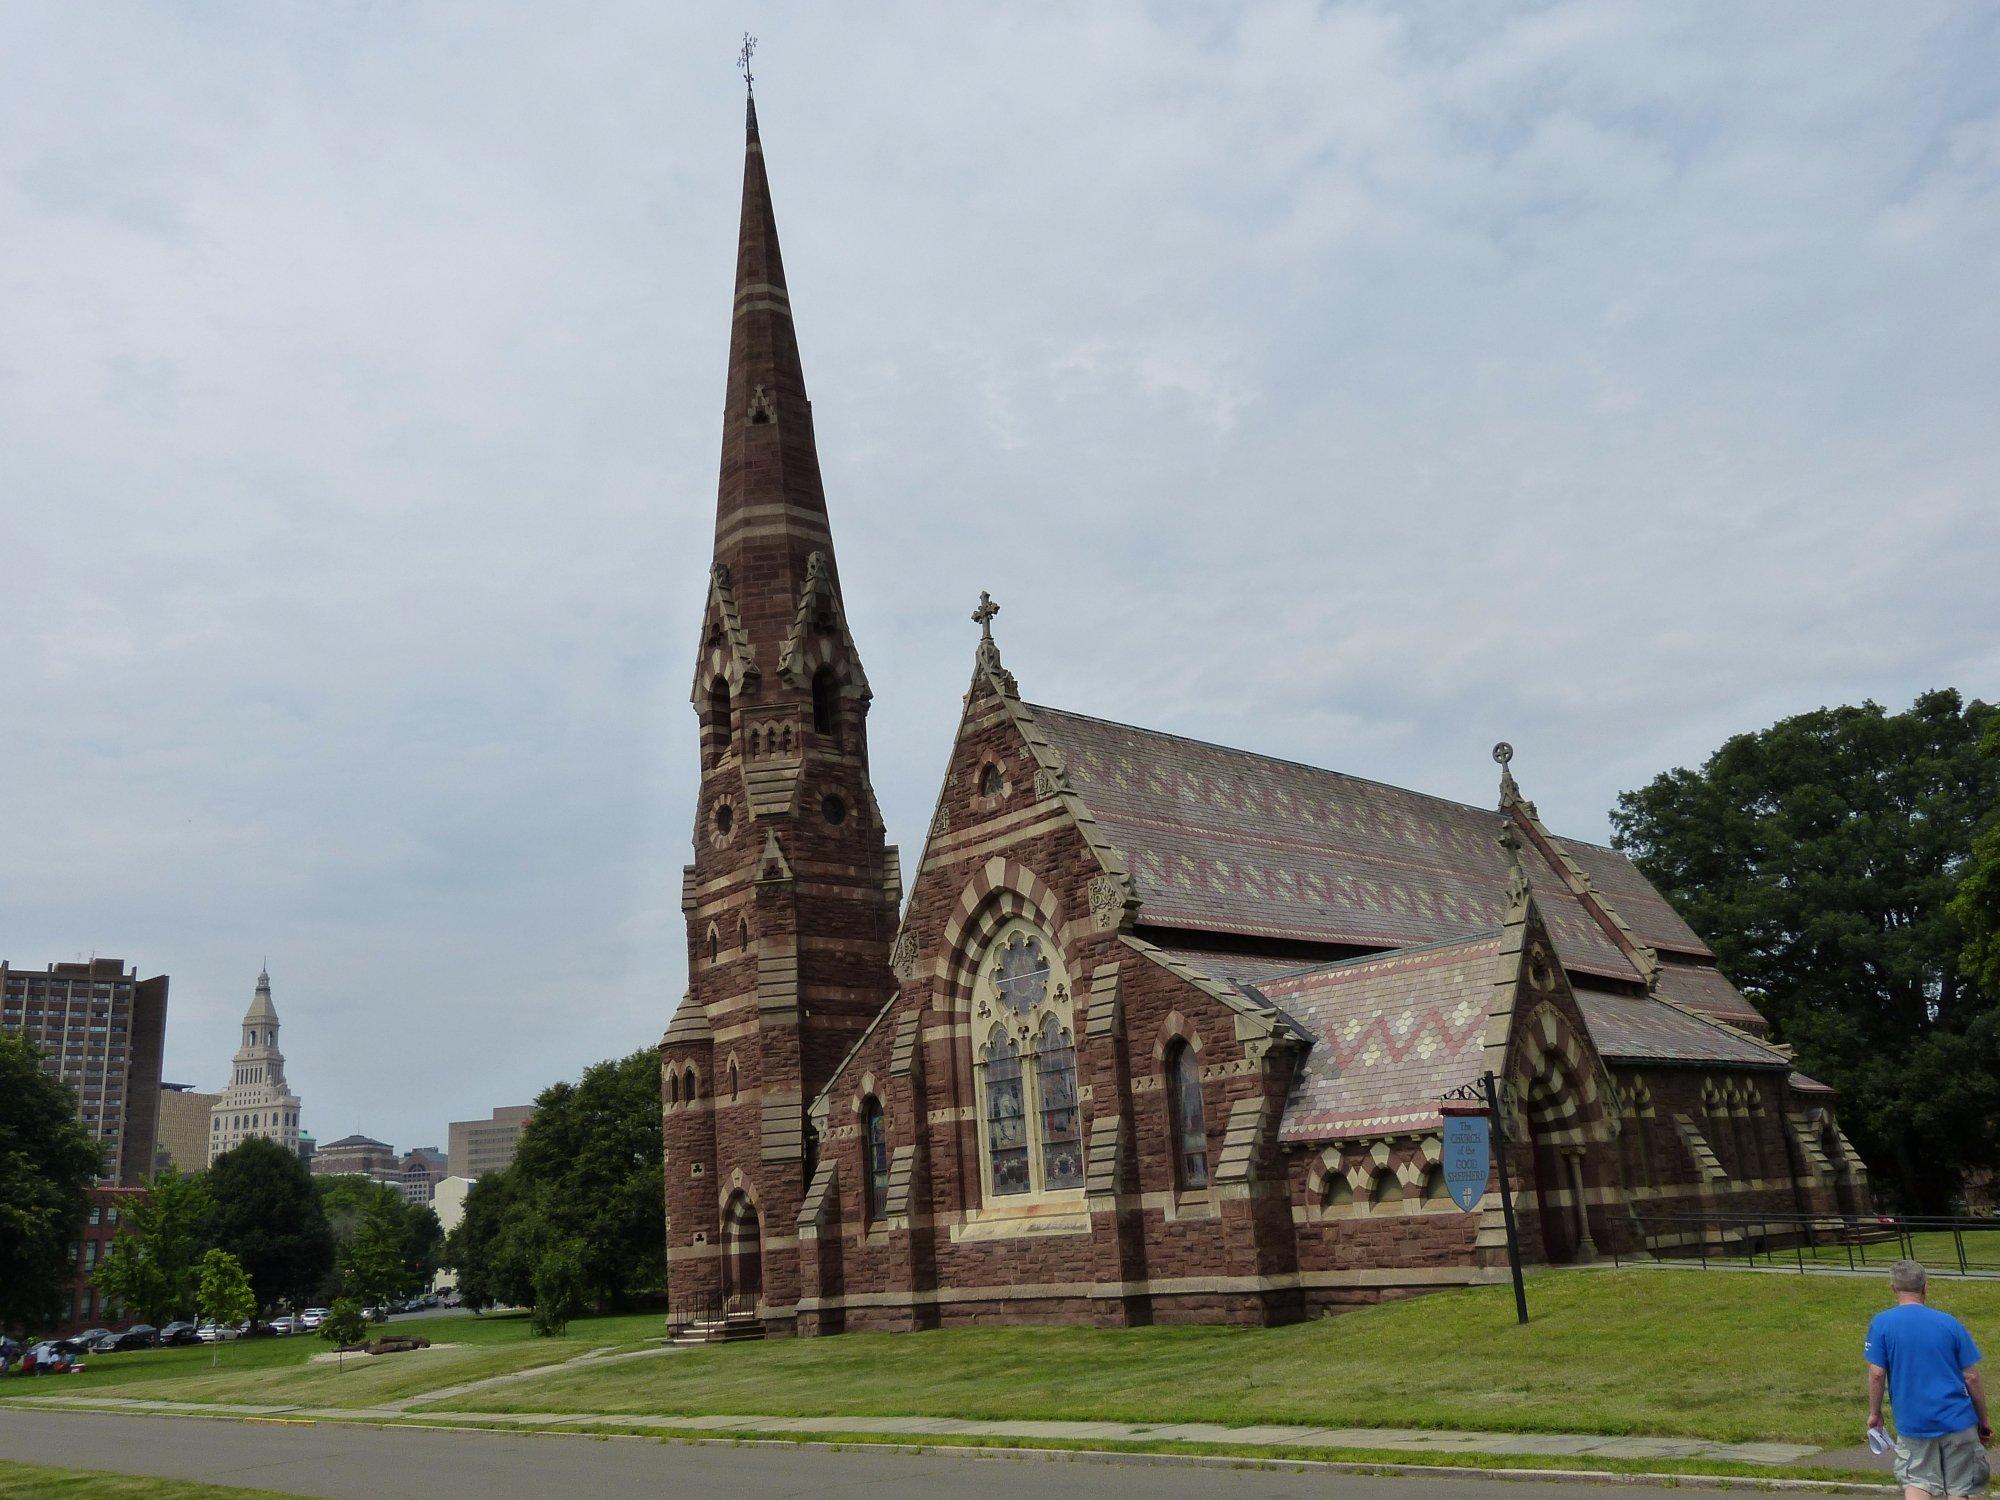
(795,661)
(734,658)
(1260,1015)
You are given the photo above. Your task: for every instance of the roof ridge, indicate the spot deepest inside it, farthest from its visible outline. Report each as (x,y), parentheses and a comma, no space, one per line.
(1487,935)
(1286,760)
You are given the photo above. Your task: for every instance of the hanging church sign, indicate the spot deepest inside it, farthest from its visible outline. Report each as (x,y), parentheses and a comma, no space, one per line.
(1468,1156)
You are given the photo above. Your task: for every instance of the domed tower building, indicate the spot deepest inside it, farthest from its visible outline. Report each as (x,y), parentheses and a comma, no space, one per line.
(257,1101)
(792,898)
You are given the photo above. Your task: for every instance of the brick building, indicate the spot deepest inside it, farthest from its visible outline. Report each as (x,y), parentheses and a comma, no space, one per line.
(87,1307)
(1163,1031)
(358,1156)
(419,1173)
(101,1030)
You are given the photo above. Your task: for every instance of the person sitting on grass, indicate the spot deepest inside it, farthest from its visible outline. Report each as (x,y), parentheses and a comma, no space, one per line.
(1930,1366)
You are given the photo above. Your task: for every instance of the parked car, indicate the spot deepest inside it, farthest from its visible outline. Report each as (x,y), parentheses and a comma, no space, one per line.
(255,1330)
(285,1325)
(218,1333)
(138,1336)
(175,1334)
(375,1314)
(311,1318)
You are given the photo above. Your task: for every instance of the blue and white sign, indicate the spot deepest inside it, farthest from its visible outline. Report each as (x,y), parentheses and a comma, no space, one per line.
(1468,1153)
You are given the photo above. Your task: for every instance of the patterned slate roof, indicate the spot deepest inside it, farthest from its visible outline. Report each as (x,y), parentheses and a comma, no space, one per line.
(1390,1034)
(1222,840)
(1706,989)
(1639,1028)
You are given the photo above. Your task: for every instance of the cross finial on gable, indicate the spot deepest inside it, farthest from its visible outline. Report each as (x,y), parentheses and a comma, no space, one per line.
(743,61)
(984,614)
(1509,792)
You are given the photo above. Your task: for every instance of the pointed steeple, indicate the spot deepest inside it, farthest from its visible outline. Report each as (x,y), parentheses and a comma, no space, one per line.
(770,514)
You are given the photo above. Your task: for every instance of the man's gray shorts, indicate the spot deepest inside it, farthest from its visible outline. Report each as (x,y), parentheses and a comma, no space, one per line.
(1954,1464)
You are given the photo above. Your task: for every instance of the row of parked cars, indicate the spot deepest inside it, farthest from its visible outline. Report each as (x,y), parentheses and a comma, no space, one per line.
(49,1355)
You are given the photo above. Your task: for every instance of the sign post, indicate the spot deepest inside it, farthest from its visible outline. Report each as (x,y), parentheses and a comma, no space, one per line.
(1474,1144)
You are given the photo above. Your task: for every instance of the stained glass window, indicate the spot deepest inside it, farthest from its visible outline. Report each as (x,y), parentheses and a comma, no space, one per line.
(1055,1077)
(1006,1117)
(1021,974)
(876,1143)
(1190,1131)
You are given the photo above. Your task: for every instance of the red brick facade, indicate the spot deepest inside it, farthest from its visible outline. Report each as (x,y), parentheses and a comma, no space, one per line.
(1162,1032)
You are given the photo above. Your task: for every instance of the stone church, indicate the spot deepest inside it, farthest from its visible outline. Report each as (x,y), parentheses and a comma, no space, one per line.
(1162,1030)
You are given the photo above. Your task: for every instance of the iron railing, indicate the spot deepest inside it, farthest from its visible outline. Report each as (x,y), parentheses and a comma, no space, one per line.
(1818,1242)
(707,1307)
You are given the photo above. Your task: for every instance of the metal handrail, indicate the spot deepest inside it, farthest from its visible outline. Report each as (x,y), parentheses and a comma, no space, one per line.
(1727,1237)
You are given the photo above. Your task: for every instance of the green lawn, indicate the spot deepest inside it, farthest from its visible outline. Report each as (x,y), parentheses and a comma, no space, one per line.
(79,1484)
(277,1371)
(1720,1355)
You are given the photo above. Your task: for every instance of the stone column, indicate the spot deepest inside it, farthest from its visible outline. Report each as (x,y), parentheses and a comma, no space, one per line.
(1586,1250)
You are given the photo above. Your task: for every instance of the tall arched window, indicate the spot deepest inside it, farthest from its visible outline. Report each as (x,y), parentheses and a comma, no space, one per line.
(687,1087)
(732,1080)
(717,723)
(826,702)
(875,1147)
(1025,1062)
(673,1087)
(1184,1108)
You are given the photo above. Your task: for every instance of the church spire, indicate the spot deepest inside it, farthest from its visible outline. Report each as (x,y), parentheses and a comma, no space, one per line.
(770,506)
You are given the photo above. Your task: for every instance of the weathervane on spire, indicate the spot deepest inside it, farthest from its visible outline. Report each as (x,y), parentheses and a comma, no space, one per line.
(743,62)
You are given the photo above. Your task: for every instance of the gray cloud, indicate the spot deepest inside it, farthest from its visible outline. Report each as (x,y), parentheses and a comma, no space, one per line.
(1359,384)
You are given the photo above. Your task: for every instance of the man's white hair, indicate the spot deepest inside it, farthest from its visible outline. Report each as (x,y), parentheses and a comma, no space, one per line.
(1906,1276)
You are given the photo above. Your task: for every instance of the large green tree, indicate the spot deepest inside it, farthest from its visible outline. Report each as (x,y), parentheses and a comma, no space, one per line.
(267,1215)
(154,1268)
(384,1245)
(1819,858)
(577,1214)
(589,1165)
(47,1164)
(1977,904)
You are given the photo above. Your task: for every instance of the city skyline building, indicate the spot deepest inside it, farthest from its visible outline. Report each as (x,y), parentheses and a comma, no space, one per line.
(101,1030)
(181,1140)
(257,1102)
(476,1147)
(358,1156)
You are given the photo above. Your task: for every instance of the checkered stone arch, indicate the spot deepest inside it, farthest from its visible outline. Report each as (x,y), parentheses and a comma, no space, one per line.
(1556,1082)
(999,892)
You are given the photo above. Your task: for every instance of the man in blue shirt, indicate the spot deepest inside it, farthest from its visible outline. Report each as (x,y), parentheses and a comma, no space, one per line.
(1930,1366)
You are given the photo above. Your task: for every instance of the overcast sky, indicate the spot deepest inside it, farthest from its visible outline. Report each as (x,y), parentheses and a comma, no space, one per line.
(1357,384)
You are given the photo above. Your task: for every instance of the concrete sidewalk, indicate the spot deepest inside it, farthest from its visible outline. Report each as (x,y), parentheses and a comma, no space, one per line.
(1277,1439)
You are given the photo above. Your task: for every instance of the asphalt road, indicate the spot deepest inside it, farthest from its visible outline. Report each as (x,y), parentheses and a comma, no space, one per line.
(378,1463)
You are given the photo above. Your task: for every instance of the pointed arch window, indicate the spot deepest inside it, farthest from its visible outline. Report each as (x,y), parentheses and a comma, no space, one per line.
(826,702)
(1190,1127)
(875,1146)
(687,1087)
(1030,1124)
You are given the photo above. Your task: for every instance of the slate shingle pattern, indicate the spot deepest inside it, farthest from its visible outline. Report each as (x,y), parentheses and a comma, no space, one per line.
(1390,1034)
(1223,840)
(1638,1028)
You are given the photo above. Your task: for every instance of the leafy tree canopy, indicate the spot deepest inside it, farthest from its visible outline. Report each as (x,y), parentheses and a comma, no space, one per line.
(578,1213)
(154,1268)
(1977,904)
(384,1246)
(1819,858)
(47,1164)
(267,1215)
(225,1296)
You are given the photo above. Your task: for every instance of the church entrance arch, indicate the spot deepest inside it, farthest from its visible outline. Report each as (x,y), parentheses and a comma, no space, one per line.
(1562,1112)
(742,1254)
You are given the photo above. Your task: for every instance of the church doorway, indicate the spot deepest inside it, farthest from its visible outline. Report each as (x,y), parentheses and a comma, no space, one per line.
(742,1255)
(1556,1147)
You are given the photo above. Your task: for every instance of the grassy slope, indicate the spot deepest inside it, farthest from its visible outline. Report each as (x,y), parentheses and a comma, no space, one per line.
(277,1371)
(1718,1355)
(77,1484)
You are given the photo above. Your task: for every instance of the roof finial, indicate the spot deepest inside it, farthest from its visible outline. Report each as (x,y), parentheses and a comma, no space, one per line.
(743,63)
(1509,792)
(989,649)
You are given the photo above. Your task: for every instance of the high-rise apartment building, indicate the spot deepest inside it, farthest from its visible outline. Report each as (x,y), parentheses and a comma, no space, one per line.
(480,1146)
(257,1101)
(100,1030)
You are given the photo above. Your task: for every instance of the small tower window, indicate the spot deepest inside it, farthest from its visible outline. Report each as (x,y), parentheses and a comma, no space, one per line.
(826,702)
(687,1087)
(833,808)
(991,782)
(742,933)
(732,1079)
